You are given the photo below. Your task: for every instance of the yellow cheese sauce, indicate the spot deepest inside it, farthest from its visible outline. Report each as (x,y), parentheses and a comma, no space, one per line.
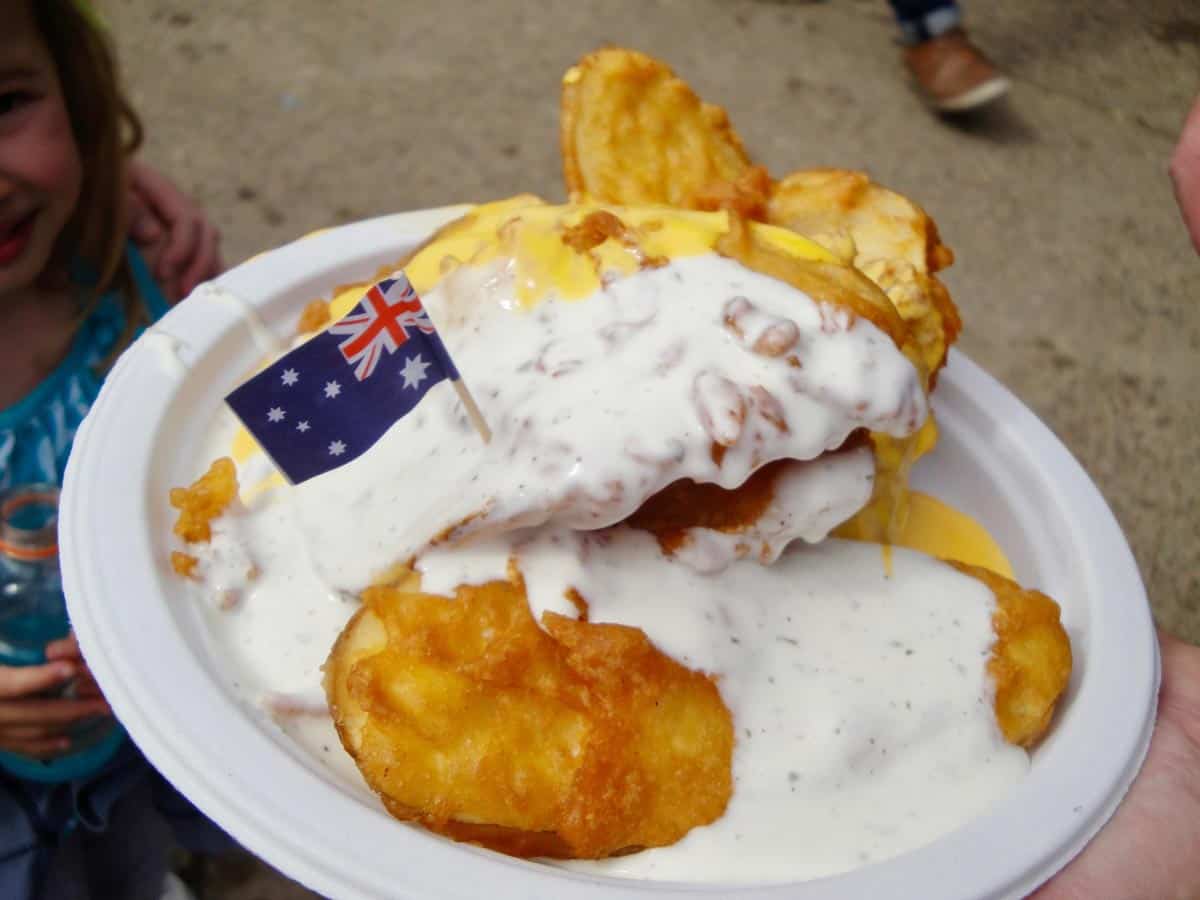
(531,234)
(940,530)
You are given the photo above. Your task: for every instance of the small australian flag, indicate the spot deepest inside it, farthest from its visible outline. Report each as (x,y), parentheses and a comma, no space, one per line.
(329,400)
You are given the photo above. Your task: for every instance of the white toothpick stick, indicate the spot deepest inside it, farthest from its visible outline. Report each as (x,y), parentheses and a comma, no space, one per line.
(472,409)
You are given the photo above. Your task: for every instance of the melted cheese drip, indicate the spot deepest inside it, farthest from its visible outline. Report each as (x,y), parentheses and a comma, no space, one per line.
(940,530)
(884,518)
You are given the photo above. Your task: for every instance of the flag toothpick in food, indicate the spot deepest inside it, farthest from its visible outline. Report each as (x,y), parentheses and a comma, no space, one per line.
(329,400)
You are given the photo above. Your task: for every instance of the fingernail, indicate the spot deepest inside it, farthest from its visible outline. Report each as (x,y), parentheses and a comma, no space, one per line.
(64,670)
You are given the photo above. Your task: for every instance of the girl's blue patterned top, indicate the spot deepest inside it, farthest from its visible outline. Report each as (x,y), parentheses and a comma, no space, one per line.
(37,431)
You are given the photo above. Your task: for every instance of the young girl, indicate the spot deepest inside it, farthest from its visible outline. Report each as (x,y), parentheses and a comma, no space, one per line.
(73,294)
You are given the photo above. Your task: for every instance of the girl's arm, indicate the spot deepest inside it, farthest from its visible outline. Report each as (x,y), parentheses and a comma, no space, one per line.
(181,246)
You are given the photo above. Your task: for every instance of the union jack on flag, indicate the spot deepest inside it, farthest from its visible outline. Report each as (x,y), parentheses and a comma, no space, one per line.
(380,323)
(329,400)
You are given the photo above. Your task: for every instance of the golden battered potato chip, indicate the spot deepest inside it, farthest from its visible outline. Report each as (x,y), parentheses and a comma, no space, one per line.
(894,243)
(579,740)
(1031,660)
(633,133)
(839,285)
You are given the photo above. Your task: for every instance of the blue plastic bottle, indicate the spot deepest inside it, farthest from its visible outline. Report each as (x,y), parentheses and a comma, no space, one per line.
(33,612)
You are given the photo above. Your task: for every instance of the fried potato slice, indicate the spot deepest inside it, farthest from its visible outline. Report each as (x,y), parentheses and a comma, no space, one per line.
(633,133)
(839,285)
(894,243)
(1031,660)
(579,740)
(686,504)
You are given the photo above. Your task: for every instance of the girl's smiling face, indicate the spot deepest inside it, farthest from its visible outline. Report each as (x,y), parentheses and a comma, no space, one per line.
(40,169)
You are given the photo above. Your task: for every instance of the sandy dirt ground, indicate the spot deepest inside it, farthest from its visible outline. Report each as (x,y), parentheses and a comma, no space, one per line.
(1074,275)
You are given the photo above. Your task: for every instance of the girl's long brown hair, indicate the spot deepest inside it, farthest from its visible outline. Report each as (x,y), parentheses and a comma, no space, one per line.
(107,132)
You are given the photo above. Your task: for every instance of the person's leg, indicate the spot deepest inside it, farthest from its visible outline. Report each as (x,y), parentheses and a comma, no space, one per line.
(66,878)
(952,73)
(130,858)
(920,20)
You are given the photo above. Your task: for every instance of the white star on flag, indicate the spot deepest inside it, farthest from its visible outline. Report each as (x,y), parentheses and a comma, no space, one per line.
(302,426)
(290,377)
(332,389)
(337,448)
(275,414)
(414,371)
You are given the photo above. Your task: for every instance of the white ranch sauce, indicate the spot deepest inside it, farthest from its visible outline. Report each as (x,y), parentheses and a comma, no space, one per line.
(860,701)
(595,405)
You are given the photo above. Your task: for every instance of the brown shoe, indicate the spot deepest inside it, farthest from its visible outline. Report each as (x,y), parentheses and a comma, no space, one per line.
(953,74)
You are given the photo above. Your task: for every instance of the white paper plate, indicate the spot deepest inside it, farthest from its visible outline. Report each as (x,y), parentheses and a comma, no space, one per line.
(146,642)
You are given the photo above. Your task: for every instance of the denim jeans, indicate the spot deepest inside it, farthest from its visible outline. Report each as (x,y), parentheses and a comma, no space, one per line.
(920,20)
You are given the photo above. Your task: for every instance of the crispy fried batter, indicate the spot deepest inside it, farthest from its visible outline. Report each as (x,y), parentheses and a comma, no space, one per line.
(579,740)
(1031,660)
(184,564)
(687,504)
(746,195)
(207,498)
(314,317)
(602,225)
(594,230)
(633,133)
